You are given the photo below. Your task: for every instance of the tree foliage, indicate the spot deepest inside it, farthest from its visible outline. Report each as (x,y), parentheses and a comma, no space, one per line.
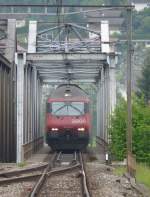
(116,2)
(67,1)
(141,130)
(144,81)
(141,21)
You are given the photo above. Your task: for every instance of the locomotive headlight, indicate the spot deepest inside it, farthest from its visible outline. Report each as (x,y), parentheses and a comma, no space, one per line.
(54,129)
(67,92)
(81,129)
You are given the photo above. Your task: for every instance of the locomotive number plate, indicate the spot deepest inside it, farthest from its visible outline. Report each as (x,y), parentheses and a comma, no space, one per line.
(77,121)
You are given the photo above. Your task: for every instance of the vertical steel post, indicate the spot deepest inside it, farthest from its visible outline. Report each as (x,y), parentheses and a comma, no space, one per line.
(35,106)
(106,89)
(20,61)
(112,83)
(129,104)
(1,96)
(33,102)
(25,105)
(98,108)
(105,48)
(32,36)
(105,36)
(13,114)
(103,103)
(29,103)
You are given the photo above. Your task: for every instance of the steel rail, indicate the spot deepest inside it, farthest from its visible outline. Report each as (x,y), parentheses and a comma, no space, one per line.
(17,172)
(22,178)
(63,170)
(40,182)
(19,179)
(48,172)
(84,179)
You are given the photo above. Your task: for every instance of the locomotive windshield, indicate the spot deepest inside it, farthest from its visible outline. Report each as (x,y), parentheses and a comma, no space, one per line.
(67,108)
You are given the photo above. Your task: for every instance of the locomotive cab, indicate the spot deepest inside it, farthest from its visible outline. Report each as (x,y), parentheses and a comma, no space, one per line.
(68,121)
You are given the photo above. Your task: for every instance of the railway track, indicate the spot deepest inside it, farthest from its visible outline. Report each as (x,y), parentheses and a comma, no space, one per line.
(74,165)
(21,175)
(62,167)
(13,176)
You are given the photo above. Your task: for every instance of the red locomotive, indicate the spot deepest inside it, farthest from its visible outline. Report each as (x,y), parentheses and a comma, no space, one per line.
(68,120)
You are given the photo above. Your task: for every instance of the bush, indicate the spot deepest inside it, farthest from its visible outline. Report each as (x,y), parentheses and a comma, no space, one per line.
(141,130)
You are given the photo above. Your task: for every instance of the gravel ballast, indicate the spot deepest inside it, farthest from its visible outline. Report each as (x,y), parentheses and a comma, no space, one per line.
(102,182)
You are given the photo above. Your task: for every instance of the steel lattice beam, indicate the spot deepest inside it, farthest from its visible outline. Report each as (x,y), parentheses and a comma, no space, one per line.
(65,56)
(54,81)
(45,5)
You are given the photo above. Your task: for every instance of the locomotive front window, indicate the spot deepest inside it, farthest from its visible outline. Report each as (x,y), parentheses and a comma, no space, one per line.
(67,108)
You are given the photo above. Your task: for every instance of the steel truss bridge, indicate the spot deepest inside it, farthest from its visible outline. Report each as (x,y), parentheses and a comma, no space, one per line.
(64,52)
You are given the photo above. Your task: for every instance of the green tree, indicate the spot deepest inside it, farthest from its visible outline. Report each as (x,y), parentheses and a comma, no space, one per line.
(116,2)
(144,81)
(94,2)
(141,130)
(141,21)
(118,131)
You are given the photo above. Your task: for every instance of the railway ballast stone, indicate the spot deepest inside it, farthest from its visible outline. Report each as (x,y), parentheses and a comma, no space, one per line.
(104,183)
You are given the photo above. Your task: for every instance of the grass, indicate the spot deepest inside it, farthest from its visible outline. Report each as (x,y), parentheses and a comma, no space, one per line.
(21,164)
(142,173)
(120,171)
(92,144)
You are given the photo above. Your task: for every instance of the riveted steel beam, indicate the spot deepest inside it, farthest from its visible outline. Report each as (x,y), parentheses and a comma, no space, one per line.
(65,56)
(60,81)
(65,5)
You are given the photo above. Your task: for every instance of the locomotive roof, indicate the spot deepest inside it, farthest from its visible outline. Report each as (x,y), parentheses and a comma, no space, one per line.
(72,89)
